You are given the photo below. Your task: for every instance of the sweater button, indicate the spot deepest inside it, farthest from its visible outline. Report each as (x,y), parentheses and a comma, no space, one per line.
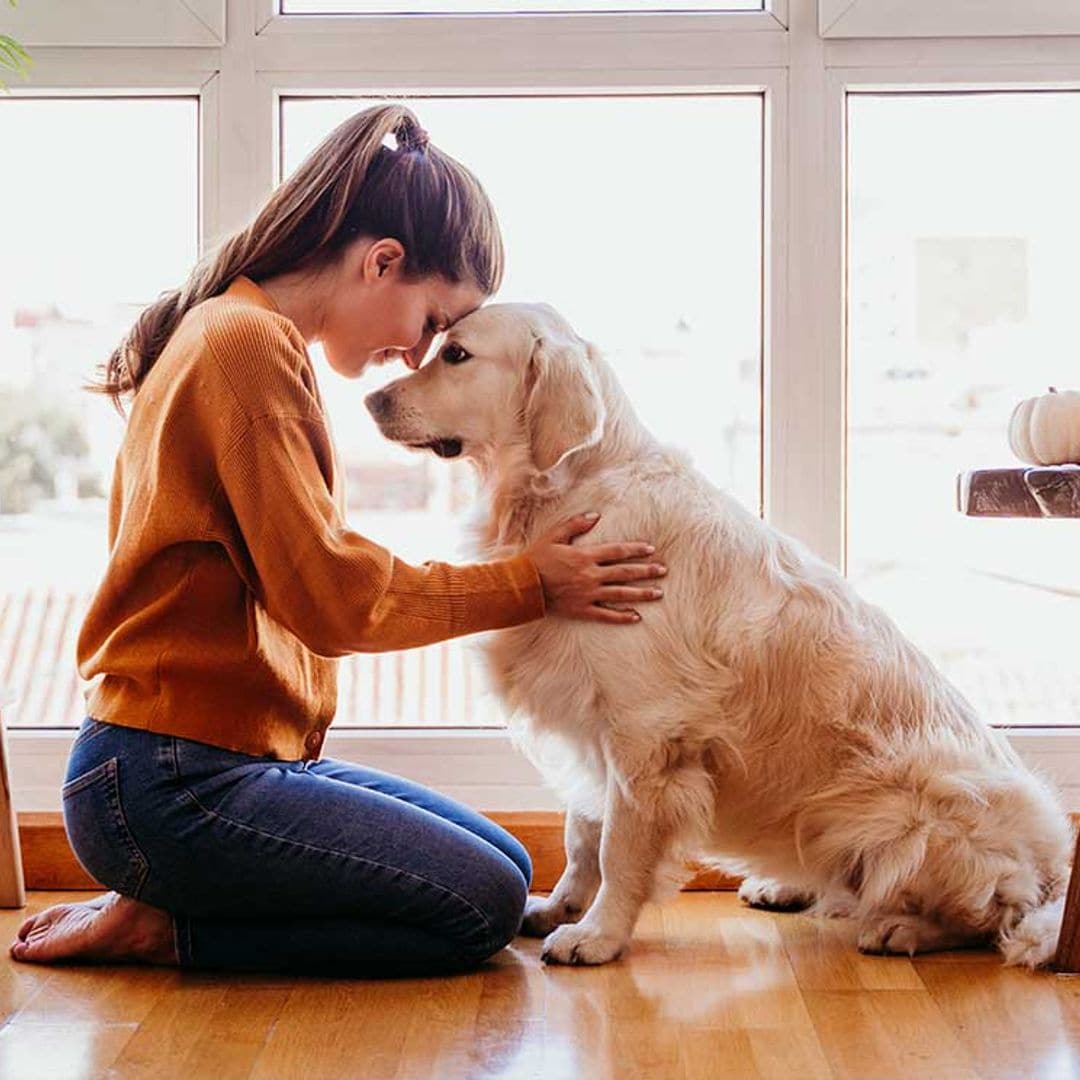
(313,741)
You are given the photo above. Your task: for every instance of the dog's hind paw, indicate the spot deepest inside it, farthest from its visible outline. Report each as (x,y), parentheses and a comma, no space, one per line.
(891,935)
(906,935)
(580,944)
(773,896)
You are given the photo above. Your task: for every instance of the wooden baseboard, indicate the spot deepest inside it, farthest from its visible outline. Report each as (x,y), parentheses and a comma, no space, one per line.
(49,863)
(541,832)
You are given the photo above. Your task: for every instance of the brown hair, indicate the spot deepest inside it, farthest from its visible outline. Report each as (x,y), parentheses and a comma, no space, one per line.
(349,186)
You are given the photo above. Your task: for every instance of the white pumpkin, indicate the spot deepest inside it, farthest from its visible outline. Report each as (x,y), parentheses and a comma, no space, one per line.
(1045,430)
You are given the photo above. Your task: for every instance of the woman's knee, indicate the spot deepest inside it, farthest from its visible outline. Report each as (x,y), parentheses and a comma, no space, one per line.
(515,851)
(500,905)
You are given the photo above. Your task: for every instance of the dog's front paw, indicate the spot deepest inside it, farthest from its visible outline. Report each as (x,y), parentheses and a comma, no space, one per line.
(543,914)
(773,896)
(581,944)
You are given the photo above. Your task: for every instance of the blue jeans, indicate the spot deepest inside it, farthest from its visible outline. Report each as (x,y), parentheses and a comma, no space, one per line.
(291,866)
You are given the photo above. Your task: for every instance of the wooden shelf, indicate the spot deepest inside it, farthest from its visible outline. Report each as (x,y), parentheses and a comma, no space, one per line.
(1046,491)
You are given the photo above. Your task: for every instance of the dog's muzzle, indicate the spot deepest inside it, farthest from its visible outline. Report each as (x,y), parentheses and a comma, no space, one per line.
(379,404)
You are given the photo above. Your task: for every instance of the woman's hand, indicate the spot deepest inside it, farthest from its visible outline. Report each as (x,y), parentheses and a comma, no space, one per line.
(580,581)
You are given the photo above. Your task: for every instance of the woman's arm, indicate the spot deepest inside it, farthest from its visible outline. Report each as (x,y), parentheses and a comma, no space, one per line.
(337,591)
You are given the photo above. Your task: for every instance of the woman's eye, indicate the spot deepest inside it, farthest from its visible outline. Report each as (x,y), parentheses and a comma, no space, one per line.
(455,354)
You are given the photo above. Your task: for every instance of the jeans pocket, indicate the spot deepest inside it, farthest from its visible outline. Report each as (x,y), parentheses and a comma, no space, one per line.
(99,832)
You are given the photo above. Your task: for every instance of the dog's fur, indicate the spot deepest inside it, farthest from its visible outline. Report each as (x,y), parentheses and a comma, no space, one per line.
(761,715)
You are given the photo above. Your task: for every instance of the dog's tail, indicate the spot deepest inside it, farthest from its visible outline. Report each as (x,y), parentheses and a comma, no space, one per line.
(1032,942)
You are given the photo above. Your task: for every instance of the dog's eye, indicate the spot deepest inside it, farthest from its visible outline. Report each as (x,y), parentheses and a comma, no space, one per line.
(455,354)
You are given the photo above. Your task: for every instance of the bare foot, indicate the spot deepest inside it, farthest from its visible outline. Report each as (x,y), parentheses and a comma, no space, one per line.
(110,928)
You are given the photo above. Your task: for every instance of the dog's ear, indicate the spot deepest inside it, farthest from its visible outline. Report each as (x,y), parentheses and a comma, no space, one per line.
(564,410)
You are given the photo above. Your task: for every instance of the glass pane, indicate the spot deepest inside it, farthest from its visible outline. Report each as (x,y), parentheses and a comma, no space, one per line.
(640,220)
(963,240)
(504,7)
(100,209)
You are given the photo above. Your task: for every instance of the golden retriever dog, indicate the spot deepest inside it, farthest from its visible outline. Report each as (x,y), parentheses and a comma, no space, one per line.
(761,716)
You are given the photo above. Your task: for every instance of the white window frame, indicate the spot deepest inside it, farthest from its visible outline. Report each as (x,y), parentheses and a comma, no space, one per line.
(77,23)
(946,18)
(781,53)
(772,17)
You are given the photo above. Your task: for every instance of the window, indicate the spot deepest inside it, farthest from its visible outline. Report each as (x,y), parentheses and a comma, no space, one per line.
(767,156)
(963,241)
(640,220)
(100,215)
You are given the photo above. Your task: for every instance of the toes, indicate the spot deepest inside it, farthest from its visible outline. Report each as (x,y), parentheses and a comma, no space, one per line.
(27,926)
(30,947)
(834,909)
(44,919)
(538,923)
(542,916)
(902,941)
(580,945)
(873,938)
(57,932)
(889,937)
(773,896)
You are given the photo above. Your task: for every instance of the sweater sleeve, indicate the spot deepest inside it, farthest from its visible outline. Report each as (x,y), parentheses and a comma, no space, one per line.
(335,590)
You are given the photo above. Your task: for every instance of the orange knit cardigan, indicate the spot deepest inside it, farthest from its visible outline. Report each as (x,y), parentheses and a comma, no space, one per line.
(233,580)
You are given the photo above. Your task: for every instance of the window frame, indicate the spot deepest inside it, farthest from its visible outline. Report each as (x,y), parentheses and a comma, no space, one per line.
(804,78)
(120,22)
(945,18)
(270,20)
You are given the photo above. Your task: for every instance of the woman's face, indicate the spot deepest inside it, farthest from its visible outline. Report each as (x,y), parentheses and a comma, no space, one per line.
(375,313)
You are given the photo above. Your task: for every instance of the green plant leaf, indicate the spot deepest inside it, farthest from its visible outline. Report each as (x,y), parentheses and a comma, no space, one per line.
(14,57)
(12,46)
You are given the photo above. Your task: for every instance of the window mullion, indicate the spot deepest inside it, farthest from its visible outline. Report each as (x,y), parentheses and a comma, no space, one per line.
(244,128)
(805,383)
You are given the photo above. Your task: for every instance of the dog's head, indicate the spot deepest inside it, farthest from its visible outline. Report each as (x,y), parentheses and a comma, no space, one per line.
(506,376)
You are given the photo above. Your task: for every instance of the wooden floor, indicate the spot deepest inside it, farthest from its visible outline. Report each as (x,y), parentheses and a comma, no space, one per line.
(710,989)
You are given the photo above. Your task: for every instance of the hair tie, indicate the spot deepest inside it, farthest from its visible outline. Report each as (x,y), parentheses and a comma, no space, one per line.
(412,137)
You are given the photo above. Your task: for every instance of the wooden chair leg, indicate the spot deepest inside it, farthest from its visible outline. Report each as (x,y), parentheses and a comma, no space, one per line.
(12,887)
(1067,957)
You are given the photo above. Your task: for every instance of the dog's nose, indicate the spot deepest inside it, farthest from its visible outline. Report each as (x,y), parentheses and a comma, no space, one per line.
(378,404)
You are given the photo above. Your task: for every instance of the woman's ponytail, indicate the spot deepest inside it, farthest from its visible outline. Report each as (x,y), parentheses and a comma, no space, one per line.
(350,185)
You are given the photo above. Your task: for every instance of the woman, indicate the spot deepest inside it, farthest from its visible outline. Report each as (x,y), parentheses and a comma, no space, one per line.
(194,790)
